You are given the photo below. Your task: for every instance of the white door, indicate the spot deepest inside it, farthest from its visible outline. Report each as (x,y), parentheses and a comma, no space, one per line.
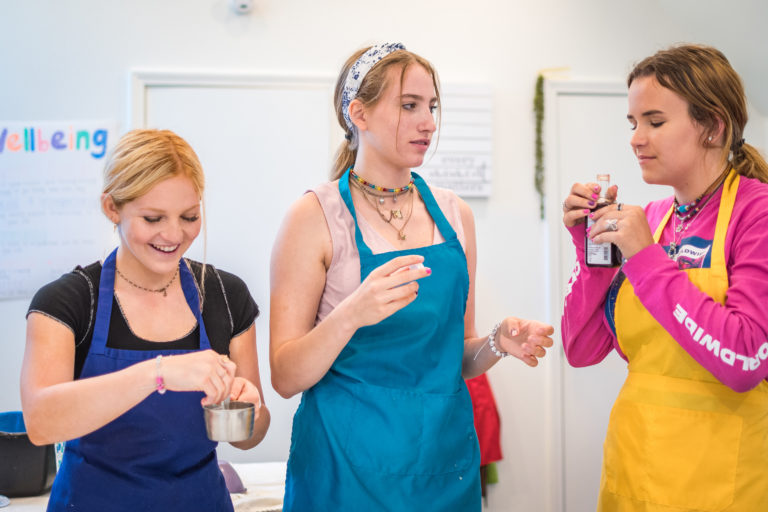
(587,134)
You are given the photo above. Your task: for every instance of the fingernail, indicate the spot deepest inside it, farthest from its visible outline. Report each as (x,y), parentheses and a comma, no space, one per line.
(429,271)
(594,196)
(590,227)
(514,332)
(591,203)
(597,188)
(586,212)
(592,215)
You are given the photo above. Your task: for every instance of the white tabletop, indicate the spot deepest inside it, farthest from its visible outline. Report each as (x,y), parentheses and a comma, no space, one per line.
(264,483)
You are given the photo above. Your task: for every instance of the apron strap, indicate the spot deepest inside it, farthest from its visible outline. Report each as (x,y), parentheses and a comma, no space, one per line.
(727,199)
(107,292)
(432,207)
(362,248)
(104,305)
(192,295)
(663,223)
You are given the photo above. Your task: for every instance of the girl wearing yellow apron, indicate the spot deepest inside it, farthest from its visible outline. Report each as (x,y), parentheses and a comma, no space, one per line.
(689,429)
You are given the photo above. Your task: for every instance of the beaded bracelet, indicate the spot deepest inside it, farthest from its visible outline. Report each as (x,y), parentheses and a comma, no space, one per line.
(160,388)
(492,343)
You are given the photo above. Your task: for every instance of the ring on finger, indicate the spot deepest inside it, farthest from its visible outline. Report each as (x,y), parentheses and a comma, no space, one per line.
(612,225)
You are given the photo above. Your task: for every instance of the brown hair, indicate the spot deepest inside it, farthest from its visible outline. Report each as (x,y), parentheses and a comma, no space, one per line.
(705,79)
(373,85)
(142,159)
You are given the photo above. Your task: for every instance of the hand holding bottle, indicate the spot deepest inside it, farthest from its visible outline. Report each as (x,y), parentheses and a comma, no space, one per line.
(582,200)
(631,233)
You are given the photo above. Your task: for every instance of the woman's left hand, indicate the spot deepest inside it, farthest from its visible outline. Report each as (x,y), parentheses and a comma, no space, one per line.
(244,390)
(527,340)
(623,225)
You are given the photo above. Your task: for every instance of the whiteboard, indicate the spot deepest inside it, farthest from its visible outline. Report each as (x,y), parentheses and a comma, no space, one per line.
(50,215)
(263,141)
(587,133)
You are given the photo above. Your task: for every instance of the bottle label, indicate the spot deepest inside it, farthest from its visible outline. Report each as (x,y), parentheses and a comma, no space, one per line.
(598,254)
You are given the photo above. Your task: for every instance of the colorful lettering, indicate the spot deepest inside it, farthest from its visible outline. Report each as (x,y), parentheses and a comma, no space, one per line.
(13,142)
(35,140)
(56,140)
(100,141)
(83,136)
(42,144)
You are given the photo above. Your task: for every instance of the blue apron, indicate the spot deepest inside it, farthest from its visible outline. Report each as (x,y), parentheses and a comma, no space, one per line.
(390,426)
(154,457)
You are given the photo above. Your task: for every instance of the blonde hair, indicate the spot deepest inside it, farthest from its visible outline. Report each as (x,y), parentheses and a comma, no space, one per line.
(373,85)
(142,159)
(703,77)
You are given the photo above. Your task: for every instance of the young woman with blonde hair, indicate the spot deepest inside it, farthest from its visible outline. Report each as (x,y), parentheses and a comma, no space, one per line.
(373,311)
(120,356)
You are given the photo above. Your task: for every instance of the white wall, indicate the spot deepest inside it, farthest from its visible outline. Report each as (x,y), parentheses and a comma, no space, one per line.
(70,60)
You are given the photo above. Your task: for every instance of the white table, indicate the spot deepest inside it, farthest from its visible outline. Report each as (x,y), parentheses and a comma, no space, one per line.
(264,483)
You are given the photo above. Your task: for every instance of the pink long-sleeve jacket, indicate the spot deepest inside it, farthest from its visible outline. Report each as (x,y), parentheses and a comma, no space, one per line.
(737,353)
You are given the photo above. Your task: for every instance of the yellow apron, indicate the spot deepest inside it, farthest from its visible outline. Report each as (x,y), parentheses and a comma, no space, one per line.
(679,440)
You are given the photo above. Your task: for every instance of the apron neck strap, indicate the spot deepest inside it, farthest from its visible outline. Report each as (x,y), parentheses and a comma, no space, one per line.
(433,208)
(346,195)
(107,292)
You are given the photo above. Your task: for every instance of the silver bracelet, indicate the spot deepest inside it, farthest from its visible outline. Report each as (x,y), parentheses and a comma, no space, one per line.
(492,343)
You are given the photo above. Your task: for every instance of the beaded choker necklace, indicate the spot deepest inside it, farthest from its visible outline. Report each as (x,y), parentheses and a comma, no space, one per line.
(394,191)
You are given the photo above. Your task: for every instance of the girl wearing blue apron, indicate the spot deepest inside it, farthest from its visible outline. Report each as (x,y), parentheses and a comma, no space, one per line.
(131,410)
(385,421)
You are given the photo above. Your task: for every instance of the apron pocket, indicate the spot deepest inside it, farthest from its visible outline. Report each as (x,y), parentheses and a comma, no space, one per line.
(671,456)
(408,433)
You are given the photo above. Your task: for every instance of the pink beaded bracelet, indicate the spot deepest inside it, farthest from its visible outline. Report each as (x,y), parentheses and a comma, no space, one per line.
(160,388)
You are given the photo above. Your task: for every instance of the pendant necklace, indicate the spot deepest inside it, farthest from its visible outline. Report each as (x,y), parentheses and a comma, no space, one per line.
(375,201)
(687,213)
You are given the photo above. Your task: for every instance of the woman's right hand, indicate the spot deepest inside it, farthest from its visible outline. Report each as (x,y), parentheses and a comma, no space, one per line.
(386,290)
(206,371)
(582,200)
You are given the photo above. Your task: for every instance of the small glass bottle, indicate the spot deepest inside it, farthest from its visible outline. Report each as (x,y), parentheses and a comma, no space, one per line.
(605,254)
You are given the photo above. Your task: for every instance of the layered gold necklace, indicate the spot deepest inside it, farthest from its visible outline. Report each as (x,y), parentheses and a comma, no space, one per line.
(389,215)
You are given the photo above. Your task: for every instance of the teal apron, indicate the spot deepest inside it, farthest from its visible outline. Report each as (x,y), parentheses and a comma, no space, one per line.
(390,426)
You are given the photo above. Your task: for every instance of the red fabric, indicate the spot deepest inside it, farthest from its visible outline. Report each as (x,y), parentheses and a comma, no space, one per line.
(487,422)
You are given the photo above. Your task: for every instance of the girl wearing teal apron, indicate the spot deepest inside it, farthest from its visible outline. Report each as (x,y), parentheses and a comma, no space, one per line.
(385,421)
